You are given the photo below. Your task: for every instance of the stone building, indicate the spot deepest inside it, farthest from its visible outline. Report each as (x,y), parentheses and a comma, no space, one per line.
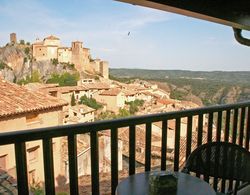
(78,55)
(13,38)
(21,109)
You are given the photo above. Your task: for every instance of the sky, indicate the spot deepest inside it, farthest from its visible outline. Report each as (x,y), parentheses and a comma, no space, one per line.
(156,40)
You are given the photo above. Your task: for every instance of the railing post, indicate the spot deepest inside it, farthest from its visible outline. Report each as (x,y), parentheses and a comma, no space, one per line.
(177,144)
(48,166)
(73,171)
(21,168)
(164,145)
(247,129)
(200,129)
(242,125)
(114,159)
(132,142)
(189,136)
(148,146)
(94,162)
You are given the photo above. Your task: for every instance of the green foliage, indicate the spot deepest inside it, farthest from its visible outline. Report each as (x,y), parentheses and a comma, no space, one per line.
(106,115)
(110,115)
(65,79)
(25,60)
(62,193)
(179,95)
(73,100)
(35,77)
(27,50)
(54,61)
(36,189)
(22,42)
(28,43)
(123,113)
(122,79)
(90,102)
(2,65)
(135,105)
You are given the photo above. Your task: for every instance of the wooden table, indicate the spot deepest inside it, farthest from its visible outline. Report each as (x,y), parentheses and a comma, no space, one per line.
(187,185)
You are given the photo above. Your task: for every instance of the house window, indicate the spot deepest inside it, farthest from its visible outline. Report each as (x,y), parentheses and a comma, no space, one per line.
(32,118)
(33,154)
(32,175)
(3,161)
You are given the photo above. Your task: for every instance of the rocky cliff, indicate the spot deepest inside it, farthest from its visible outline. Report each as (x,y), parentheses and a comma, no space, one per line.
(16,63)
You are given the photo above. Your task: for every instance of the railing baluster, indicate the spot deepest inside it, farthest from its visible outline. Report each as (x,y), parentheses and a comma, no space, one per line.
(21,168)
(189,136)
(199,136)
(114,159)
(218,128)
(210,127)
(148,147)
(235,131)
(132,143)
(94,162)
(209,139)
(235,125)
(227,126)
(164,145)
(177,144)
(48,166)
(73,172)
(242,125)
(218,138)
(247,129)
(200,129)
(226,139)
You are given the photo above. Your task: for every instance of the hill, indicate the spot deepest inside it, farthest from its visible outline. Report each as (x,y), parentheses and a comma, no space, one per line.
(215,87)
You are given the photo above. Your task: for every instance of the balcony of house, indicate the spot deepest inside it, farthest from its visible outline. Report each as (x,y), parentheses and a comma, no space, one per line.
(136,144)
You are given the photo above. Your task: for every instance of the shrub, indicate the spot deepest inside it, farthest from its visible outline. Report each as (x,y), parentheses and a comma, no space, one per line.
(54,61)
(90,102)
(65,79)
(35,77)
(2,65)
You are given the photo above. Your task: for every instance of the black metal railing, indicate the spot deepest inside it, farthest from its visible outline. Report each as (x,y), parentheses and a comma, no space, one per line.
(232,121)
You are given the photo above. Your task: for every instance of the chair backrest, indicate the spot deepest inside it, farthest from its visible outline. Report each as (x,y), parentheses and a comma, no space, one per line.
(221,160)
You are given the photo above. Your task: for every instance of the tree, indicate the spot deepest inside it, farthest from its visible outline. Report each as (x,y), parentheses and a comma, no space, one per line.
(73,100)
(65,79)
(27,50)
(22,42)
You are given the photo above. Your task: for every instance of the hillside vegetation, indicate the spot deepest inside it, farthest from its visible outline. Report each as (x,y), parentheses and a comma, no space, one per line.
(215,87)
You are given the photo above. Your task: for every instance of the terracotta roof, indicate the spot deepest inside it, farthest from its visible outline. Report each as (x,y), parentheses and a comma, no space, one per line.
(36,86)
(97,85)
(7,183)
(166,101)
(129,92)
(111,92)
(84,108)
(65,89)
(52,37)
(15,99)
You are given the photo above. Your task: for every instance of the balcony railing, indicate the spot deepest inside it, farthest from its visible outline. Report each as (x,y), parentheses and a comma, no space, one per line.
(231,124)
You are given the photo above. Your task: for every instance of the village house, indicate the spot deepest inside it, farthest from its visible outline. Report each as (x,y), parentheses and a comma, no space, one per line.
(22,109)
(113,98)
(79,114)
(50,48)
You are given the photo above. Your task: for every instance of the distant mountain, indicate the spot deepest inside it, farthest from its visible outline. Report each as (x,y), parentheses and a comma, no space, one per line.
(215,87)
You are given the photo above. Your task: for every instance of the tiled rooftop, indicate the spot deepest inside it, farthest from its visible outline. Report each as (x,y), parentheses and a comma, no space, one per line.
(15,99)
(111,92)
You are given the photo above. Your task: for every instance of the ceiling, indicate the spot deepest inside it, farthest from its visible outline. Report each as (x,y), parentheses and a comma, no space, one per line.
(234,13)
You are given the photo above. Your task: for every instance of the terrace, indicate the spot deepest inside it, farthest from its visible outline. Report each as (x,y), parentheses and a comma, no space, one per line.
(232,122)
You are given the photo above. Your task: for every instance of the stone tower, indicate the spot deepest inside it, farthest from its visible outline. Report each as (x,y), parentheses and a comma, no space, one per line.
(104,69)
(77,55)
(13,38)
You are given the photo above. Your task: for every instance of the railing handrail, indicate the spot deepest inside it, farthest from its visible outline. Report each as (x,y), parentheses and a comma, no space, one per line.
(81,128)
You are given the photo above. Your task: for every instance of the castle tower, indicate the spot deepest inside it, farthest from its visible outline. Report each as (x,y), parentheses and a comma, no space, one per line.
(77,55)
(13,38)
(104,69)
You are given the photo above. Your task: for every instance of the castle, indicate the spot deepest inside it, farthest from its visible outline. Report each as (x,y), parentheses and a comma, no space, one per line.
(50,48)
